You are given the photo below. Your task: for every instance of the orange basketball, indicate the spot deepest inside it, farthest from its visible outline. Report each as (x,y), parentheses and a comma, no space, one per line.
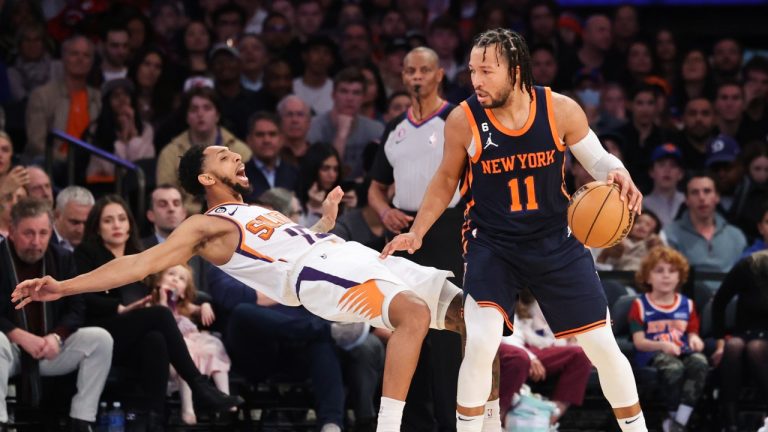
(597,215)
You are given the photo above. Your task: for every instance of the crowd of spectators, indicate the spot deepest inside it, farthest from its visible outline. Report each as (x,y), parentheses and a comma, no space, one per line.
(303,90)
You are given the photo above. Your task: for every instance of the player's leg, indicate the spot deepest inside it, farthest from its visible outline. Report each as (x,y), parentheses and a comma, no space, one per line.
(410,317)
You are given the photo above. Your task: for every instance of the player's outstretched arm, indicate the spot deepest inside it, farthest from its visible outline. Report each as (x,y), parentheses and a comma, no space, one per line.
(177,249)
(330,211)
(573,127)
(443,185)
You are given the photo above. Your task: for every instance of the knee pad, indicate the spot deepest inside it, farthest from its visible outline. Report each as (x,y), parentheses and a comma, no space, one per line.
(484,331)
(613,368)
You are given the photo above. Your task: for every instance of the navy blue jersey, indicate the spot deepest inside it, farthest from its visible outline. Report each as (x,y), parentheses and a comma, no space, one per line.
(514,181)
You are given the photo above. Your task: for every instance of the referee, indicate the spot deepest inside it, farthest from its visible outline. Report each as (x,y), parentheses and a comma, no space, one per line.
(410,153)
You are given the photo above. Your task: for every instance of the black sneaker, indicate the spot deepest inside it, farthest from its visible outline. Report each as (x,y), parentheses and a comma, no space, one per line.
(207,396)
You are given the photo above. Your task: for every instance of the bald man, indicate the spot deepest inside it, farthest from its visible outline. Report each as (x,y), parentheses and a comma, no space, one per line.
(411,150)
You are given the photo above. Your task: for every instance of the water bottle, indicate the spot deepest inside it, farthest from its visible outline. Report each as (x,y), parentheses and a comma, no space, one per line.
(116,418)
(765,426)
(103,424)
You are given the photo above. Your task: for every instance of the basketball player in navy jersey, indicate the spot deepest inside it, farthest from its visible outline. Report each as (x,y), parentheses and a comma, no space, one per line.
(507,142)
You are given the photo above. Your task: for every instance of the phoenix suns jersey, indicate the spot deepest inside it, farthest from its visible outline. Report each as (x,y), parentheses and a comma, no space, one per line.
(270,244)
(514,181)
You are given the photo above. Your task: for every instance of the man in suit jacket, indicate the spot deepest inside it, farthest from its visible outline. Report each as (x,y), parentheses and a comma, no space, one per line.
(73,204)
(47,337)
(266,170)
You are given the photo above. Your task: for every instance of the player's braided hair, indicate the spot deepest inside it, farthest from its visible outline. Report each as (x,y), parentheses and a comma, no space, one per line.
(511,45)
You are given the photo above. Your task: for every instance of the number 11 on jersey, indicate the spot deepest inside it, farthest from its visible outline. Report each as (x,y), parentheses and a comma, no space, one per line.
(530,192)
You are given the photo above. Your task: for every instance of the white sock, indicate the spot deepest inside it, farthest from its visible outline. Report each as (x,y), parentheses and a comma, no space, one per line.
(492,417)
(390,415)
(469,423)
(633,424)
(683,414)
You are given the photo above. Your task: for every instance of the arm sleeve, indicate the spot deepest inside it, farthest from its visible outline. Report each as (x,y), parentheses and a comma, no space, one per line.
(739,276)
(635,318)
(593,157)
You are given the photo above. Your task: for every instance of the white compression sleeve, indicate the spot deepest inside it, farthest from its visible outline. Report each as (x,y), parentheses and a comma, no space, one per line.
(593,157)
(485,326)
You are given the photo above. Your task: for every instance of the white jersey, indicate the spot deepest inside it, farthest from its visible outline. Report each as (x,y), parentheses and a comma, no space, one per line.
(270,245)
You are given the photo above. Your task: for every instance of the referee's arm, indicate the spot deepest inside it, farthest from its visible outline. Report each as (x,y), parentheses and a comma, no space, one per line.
(382,177)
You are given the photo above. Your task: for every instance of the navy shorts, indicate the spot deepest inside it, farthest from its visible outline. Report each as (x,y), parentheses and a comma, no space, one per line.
(558,270)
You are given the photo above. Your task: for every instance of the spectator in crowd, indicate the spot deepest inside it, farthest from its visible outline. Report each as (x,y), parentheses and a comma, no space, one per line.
(666,54)
(319,174)
(343,126)
(694,81)
(628,254)
(140,32)
(541,17)
(724,164)
(641,135)
(392,25)
(119,130)
(195,42)
(266,169)
(73,204)
(237,102)
(542,357)
(254,58)
(155,91)
(639,64)
(743,349)
(391,66)
(595,47)
(309,19)
(277,34)
(492,15)
(175,289)
(7,201)
(731,118)
(701,234)
(34,65)
(751,193)
(228,22)
(167,20)
(613,144)
(39,185)
(295,118)
(202,114)
(375,98)
(68,104)
(11,177)
(443,36)
(278,83)
(626,27)
(398,103)
(727,54)
(146,339)
(698,132)
(282,200)
(756,90)
(665,331)
(350,12)
(315,87)
(53,334)
(544,65)
(612,109)
(113,56)
(761,241)
(286,9)
(666,173)
(355,44)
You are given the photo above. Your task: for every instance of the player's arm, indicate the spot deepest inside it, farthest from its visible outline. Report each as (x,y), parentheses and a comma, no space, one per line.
(573,128)
(178,248)
(330,211)
(443,185)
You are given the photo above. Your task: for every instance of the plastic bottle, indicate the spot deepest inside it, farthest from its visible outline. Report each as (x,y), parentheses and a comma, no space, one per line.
(116,418)
(103,422)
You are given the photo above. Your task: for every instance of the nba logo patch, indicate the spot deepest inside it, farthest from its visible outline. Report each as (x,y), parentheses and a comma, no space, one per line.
(399,135)
(220,210)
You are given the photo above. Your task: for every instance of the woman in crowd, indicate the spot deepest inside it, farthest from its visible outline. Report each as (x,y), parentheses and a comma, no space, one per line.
(319,175)
(752,193)
(156,94)
(666,51)
(195,43)
(695,80)
(146,339)
(375,99)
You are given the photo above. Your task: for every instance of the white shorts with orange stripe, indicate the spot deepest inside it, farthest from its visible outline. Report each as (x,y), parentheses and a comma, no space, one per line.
(347,282)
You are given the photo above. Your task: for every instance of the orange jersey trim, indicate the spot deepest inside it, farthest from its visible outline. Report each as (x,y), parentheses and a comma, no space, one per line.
(551,116)
(505,130)
(579,330)
(244,247)
(475,131)
(225,203)
(500,309)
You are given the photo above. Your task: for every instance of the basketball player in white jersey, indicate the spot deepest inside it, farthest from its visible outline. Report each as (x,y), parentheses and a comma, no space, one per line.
(336,280)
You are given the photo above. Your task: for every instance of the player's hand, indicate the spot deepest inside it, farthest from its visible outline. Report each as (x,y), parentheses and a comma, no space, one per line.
(537,372)
(51,349)
(206,314)
(395,220)
(670,349)
(331,204)
(695,342)
(716,357)
(629,192)
(408,241)
(40,289)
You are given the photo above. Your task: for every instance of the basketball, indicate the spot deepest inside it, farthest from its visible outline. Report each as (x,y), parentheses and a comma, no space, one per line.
(597,216)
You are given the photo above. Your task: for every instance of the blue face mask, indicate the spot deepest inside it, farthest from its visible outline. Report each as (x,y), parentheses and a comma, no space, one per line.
(589,97)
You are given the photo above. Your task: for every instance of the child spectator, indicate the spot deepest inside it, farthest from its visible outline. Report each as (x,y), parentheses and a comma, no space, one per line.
(175,289)
(666,173)
(643,237)
(664,327)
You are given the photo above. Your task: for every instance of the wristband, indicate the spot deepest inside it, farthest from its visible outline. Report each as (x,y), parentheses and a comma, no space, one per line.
(58,339)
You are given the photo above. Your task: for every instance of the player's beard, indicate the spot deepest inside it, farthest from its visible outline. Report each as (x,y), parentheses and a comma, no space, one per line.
(237,187)
(498,102)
